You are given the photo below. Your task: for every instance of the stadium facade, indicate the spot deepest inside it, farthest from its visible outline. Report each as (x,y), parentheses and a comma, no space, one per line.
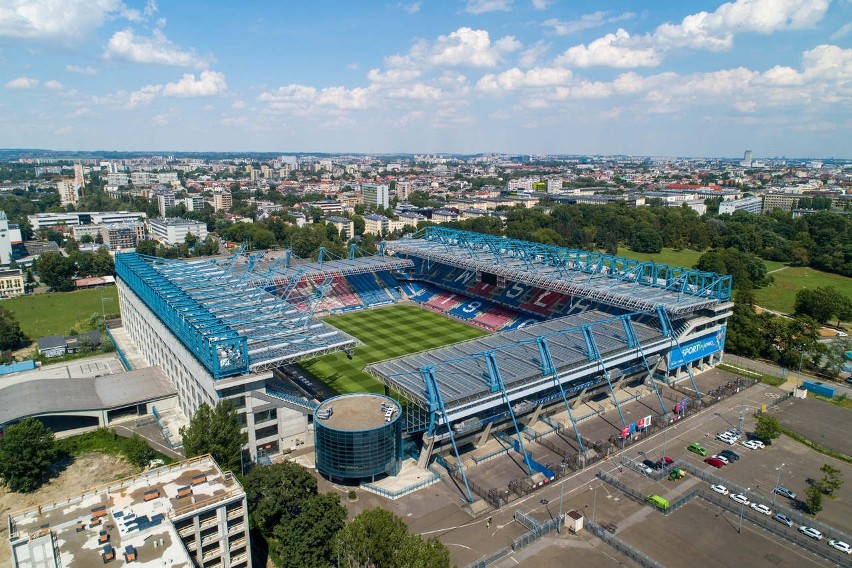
(569,324)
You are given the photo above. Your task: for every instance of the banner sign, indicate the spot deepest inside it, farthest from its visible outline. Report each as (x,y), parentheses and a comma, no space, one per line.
(696,349)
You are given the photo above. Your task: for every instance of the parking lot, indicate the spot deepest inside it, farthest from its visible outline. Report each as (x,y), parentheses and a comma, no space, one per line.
(823,423)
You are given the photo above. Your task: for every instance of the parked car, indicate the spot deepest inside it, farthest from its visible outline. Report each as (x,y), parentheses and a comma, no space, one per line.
(720,489)
(722,459)
(666,460)
(783,519)
(761,508)
(652,465)
(715,462)
(696,449)
(811,532)
(646,469)
(784,492)
(724,437)
(731,455)
(740,498)
(753,444)
(841,546)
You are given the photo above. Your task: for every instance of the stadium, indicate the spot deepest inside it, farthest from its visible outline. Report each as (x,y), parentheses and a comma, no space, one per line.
(505,333)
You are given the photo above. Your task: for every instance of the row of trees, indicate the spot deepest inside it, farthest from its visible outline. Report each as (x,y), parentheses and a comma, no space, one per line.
(58,271)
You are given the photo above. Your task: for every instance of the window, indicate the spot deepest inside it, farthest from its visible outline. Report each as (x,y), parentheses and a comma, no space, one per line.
(270,414)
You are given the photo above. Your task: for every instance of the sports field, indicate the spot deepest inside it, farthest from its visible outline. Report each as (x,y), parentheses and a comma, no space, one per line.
(386,333)
(781,294)
(686,258)
(58,312)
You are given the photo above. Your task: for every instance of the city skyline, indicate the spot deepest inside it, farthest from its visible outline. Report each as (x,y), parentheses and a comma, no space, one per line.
(540,77)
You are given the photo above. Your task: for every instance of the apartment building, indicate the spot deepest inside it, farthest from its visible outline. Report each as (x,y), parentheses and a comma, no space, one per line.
(375,195)
(344,226)
(11,283)
(182,515)
(173,231)
(747,204)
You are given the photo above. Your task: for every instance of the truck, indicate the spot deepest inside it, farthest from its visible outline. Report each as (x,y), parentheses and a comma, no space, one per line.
(658,502)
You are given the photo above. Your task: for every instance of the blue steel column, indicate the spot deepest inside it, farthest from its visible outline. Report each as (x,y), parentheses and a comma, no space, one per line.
(595,355)
(494,375)
(669,332)
(548,368)
(633,341)
(436,402)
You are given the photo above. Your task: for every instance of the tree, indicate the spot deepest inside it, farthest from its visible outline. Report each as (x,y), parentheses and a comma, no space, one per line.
(216,432)
(767,429)
(832,479)
(276,492)
(138,452)
(56,271)
(822,303)
(308,538)
(26,451)
(813,498)
(147,247)
(646,240)
(11,336)
(377,537)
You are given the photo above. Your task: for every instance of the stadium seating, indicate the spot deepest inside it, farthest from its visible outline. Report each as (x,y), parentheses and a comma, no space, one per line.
(369,290)
(495,318)
(391,284)
(444,301)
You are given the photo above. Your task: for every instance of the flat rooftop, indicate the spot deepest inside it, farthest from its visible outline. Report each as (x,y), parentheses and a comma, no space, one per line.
(360,411)
(68,532)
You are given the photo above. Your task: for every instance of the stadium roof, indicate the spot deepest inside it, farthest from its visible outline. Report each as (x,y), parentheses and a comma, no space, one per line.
(225,311)
(461,369)
(627,283)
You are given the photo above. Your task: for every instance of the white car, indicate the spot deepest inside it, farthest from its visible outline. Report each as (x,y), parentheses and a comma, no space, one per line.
(761,508)
(724,437)
(841,546)
(721,489)
(753,444)
(722,459)
(739,498)
(811,532)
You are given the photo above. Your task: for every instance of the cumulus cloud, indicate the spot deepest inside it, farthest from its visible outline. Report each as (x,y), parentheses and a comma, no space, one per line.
(484,6)
(515,79)
(22,83)
(208,84)
(304,98)
(63,20)
(612,50)
(54,85)
(393,75)
(531,55)
(156,49)
(541,4)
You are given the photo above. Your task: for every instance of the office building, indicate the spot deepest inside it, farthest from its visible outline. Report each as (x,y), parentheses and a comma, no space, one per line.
(164,201)
(747,204)
(185,514)
(9,235)
(746,163)
(173,231)
(194,202)
(375,195)
(11,283)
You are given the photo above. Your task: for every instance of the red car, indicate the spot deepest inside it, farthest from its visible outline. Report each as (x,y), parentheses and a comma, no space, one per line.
(667,460)
(715,462)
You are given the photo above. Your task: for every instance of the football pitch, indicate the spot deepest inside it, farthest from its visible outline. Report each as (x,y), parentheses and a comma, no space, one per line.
(386,333)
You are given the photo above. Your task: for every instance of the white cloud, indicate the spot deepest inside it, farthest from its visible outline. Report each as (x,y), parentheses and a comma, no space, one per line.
(238,104)
(82,111)
(54,85)
(484,6)
(352,66)
(715,30)
(208,84)
(22,83)
(156,49)
(515,79)
(141,97)
(471,48)
(304,98)
(417,91)
(393,75)
(531,55)
(585,22)
(612,50)
(828,62)
(842,32)
(81,70)
(150,8)
(161,120)
(64,20)
(542,4)
(412,7)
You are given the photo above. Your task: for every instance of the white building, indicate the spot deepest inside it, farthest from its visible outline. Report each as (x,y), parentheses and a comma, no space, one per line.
(9,235)
(69,192)
(194,202)
(164,201)
(747,204)
(375,195)
(173,231)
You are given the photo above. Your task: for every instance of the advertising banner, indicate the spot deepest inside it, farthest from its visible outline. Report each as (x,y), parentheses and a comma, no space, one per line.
(696,349)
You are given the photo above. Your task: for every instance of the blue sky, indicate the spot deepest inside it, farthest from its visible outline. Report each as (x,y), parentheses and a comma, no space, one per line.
(522,76)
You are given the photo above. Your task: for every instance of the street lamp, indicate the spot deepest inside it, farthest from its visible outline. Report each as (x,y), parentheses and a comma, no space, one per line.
(103,308)
(742,507)
(594,500)
(545,502)
(777,481)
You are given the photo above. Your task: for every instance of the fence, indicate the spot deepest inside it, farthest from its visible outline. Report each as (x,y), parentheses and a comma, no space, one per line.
(535,533)
(630,552)
(488,560)
(626,489)
(796,516)
(436,477)
(164,430)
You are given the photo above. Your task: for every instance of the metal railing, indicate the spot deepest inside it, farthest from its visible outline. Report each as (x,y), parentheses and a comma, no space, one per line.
(627,550)
(536,533)
(489,559)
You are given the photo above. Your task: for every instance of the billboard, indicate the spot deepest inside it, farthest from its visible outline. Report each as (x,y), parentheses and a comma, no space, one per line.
(697,348)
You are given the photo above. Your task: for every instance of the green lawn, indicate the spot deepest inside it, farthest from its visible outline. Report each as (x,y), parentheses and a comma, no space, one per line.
(685,258)
(781,295)
(386,333)
(57,313)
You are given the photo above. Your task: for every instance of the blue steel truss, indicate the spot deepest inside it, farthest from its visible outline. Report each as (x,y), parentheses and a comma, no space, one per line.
(593,274)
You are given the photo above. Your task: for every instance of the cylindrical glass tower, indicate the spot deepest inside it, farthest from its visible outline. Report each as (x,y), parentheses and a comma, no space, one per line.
(358,436)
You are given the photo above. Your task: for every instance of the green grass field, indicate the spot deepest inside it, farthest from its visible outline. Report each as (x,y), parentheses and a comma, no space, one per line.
(686,258)
(55,313)
(386,333)
(781,295)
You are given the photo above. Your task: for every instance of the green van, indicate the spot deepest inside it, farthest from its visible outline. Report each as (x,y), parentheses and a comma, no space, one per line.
(695,448)
(658,502)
